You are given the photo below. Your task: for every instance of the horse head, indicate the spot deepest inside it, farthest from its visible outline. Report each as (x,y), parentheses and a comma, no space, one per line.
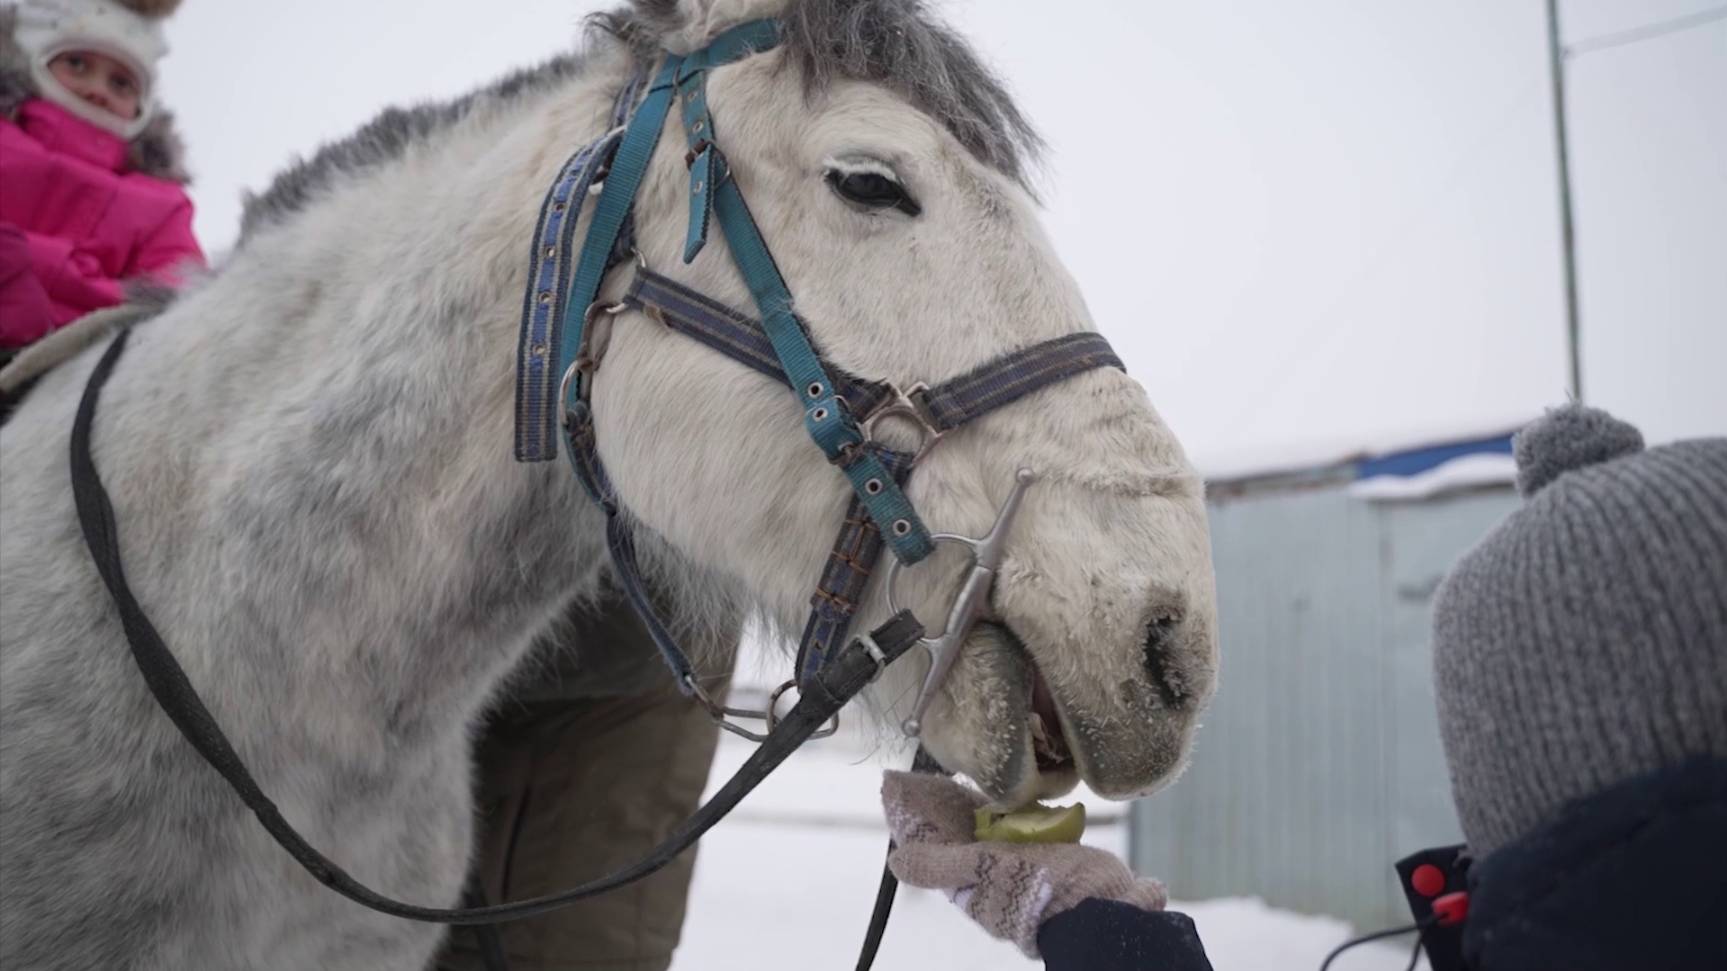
(887,171)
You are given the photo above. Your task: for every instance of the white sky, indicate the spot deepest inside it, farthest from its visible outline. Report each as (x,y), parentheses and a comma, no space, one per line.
(1309,228)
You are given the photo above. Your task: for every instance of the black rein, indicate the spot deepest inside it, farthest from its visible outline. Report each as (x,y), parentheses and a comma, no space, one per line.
(848,673)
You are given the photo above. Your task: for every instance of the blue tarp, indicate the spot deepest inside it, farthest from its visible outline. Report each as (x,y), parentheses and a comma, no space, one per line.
(1419,460)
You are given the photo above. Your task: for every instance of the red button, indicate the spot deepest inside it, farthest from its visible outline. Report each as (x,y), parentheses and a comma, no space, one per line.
(1428,880)
(1452,909)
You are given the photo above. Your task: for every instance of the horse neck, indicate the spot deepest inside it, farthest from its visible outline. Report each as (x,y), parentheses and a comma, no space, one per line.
(350,377)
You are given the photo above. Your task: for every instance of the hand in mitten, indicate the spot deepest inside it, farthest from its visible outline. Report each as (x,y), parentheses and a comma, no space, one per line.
(1009,888)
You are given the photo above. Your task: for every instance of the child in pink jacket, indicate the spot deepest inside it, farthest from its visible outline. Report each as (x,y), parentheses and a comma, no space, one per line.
(90,177)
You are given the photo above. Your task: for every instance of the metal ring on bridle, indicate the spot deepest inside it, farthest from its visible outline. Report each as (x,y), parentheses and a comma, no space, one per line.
(564,392)
(723,714)
(773,719)
(586,363)
(596,310)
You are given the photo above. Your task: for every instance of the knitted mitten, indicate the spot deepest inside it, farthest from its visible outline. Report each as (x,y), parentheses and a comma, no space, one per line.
(1009,888)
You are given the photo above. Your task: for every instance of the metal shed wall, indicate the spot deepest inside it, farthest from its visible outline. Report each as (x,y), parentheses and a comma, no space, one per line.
(1319,762)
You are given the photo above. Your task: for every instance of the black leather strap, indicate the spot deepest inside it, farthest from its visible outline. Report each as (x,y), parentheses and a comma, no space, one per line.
(847,674)
(884,895)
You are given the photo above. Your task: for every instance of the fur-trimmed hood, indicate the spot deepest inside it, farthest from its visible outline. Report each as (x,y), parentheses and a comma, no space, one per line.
(156,151)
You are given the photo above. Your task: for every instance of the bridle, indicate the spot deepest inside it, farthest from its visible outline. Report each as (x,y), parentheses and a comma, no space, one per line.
(563,336)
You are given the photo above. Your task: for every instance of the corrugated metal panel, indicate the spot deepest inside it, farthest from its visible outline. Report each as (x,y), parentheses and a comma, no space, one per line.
(1319,763)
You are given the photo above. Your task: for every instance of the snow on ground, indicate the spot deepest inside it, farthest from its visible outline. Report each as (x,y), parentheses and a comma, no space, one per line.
(1456,475)
(793,872)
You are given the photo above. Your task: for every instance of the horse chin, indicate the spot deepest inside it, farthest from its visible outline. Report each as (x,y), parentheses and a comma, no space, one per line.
(999,724)
(1021,738)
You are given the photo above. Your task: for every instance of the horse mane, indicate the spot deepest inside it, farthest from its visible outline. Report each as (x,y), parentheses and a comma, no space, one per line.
(388,137)
(898,44)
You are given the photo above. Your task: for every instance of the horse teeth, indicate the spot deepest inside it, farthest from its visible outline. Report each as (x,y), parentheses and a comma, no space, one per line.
(1048,749)
(1041,743)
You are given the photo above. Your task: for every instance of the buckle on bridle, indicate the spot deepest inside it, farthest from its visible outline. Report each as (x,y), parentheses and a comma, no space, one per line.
(848,453)
(875,653)
(911,406)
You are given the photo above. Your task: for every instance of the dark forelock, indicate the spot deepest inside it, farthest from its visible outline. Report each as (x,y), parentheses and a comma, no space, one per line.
(898,44)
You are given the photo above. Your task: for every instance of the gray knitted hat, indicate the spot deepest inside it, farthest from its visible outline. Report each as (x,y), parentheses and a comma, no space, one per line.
(1584,640)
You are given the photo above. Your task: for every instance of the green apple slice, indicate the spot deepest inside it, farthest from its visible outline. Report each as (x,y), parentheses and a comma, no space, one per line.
(1033,824)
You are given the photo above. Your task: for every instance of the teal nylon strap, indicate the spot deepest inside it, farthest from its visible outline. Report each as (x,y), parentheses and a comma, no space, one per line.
(735,44)
(703,172)
(707,166)
(826,418)
(629,167)
(617,198)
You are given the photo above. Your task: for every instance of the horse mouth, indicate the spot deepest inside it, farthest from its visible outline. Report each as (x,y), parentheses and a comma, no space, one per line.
(1005,727)
(1022,734)
(1049,743)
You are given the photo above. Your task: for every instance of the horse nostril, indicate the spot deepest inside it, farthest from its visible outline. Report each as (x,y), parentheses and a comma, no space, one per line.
(1159,644)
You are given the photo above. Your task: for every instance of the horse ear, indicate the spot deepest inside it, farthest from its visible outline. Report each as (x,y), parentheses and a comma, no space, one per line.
(155,9)
(663,14)
(689,24)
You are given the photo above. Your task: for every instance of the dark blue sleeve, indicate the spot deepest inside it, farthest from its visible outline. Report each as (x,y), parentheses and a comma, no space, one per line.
(1105,935)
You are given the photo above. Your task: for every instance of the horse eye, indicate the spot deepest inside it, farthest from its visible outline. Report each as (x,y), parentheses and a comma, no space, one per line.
(871,190)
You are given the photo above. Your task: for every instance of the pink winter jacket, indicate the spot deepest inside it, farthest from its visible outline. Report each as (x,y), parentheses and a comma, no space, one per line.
(88,222)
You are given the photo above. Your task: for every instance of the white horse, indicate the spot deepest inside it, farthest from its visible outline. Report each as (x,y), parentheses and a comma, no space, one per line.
(309,456)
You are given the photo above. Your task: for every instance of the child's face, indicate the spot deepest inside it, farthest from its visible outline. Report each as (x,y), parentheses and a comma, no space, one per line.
(98,79)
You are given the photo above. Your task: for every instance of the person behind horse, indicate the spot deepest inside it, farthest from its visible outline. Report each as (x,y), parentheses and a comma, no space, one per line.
(1580,668)
(91,182)
(587,762)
